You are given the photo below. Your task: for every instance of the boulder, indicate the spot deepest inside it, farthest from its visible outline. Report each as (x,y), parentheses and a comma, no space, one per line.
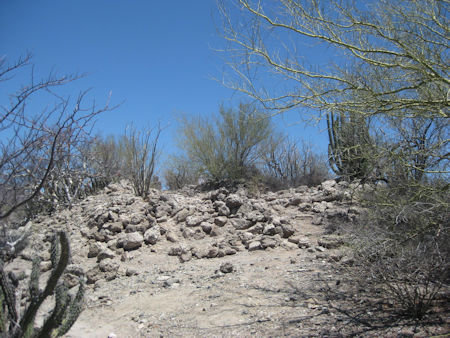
(152,235)
(220,221)
(254,245)
(226,267)
(132,241)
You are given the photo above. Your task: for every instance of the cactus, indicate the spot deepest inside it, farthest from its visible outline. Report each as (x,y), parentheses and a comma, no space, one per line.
(65,311)
(349,146)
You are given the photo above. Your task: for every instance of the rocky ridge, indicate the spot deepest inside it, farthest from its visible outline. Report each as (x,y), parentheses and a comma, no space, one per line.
(220,244)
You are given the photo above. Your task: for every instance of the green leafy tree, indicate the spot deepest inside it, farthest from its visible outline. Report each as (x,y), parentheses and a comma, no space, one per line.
(227,148)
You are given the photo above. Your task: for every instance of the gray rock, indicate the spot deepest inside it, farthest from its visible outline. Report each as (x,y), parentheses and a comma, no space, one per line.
(193,221)
(131,272)
(132,241)
(254,245)
(226,267)
(220,221)
(108,265)
(152,235)
(206,227)
(233,201)
(94,249)
(104,254)
(331,241)
(240,223)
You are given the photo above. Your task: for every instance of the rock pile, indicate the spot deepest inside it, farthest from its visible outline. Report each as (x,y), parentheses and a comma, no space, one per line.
(107,228)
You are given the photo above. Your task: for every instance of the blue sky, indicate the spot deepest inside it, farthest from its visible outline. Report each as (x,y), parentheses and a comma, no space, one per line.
(158,57)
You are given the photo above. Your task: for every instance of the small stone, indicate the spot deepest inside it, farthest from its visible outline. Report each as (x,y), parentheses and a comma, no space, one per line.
(226,268)
(171,237)
(255,245)
(132,241)
(152,235)
(45,266)
(131,272)
(206,227)
(212,252)
(104,254)
(94,250)
(193,221)
(185,257)
(220,221)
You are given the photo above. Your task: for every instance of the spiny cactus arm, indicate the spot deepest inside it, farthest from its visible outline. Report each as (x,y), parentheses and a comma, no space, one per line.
(75,308)
(334,157)
(61,265)
(34,279)
(9,295)
(30,313)
(62,300)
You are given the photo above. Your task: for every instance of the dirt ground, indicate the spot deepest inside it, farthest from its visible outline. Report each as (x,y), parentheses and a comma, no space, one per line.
(278,292)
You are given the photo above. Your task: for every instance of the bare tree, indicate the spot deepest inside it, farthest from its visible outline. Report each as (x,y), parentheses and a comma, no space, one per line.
(141,155)
(390,57)
(387,59)
(33,140)
(291,165)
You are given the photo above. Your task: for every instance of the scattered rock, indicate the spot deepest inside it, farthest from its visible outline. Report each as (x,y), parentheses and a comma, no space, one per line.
(254,245)
(152,235)
(226,267)
(105,253)
(331,241)
(132,241)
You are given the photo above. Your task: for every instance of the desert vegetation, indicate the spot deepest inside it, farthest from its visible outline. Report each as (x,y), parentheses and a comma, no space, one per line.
(385,103)
(387,114)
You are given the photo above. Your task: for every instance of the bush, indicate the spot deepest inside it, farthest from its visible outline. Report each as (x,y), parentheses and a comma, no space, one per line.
(226,149)
(288,165)
(401,245)
(141,154)
(179,173)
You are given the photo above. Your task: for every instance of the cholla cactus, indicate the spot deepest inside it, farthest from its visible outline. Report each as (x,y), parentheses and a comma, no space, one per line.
(65,311)
(349,148)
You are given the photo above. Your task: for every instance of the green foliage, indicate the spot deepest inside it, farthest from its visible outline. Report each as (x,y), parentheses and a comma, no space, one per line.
(401,245)
(179,173)
(227,148)
(289,165)
(65,311)
(349,149)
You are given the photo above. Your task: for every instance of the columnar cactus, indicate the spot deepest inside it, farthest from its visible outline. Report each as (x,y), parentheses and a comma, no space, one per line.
(65,311)
(349,146)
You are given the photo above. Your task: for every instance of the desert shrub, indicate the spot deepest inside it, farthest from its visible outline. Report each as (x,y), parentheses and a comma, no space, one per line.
(401,245)
(140,156)
(286,164)
(226,148)
(180,172)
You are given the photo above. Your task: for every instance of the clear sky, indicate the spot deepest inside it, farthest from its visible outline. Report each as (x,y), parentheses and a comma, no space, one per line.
(157,56)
